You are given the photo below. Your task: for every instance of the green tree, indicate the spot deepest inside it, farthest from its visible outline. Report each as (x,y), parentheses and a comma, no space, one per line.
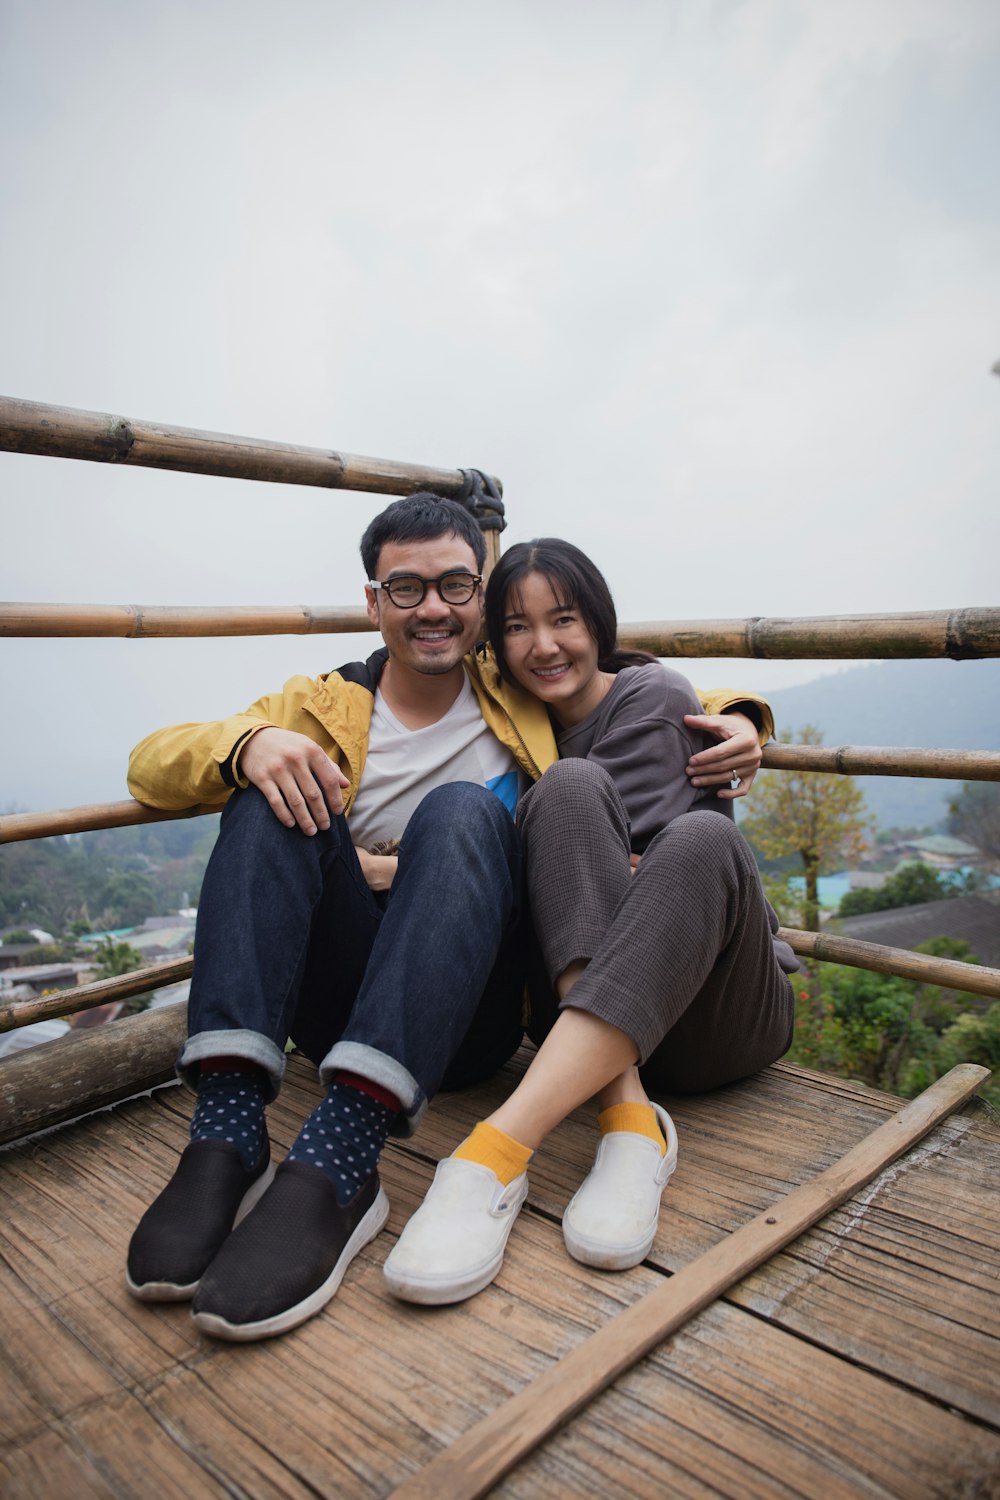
(115,958)
(975,815)
(59,882)
(811,814)
(895,1034)
(975,1038)
(126,898)
(49,953)
(786,900)
(121,958)
(914,883)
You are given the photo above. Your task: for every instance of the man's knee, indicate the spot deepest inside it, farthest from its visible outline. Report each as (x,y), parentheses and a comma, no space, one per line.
(248,815)
(249,824)
(460,812)
(459,801)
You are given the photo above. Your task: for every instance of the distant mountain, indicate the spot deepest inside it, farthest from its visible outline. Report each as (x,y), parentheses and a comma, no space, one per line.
(942,705)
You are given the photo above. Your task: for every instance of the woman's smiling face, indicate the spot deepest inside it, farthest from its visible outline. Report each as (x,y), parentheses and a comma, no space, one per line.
(550,650)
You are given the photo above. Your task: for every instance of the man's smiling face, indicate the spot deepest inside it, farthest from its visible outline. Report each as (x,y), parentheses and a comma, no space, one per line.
(433,637)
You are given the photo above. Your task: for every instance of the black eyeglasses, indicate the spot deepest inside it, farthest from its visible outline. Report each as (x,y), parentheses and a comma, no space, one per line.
(407,591)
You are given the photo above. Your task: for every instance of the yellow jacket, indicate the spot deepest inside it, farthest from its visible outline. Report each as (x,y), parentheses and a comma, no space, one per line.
(189,764)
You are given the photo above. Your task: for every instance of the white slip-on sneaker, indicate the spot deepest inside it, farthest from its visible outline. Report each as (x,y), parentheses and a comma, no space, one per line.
(453,1245)
(611,1221)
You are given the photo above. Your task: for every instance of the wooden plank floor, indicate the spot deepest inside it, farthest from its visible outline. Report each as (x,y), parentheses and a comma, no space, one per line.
(862,1361)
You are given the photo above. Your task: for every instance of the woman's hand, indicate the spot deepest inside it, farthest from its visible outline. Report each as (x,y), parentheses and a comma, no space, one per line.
(737,754)
(379,870)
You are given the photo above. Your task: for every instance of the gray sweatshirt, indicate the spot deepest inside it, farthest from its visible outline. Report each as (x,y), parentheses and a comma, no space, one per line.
(637,733)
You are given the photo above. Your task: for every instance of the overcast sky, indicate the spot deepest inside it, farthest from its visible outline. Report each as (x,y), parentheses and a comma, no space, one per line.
(714,287)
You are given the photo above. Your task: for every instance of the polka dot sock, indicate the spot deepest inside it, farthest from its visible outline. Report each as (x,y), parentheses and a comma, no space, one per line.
(231,1108)
(344,1137)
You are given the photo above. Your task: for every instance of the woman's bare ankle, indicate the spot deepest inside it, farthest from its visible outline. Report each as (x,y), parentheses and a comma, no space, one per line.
(625,1089)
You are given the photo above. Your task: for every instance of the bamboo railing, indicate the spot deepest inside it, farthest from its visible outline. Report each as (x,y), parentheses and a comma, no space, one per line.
(842,760)
(52,431)
(148,622)
(958,634)
(88,996)
(951,973)
(99,437)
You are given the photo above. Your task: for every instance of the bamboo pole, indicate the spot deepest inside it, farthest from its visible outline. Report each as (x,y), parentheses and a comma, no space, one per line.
(16,827)
(19,1013)
(480,1458)
(64,432)
(157,622)
(88,1070)
(854,760)
(958,634)
(492,552)
(950,973)
(884,760)
(961,634)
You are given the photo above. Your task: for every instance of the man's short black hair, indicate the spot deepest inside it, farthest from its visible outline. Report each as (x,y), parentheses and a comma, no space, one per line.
(421,518)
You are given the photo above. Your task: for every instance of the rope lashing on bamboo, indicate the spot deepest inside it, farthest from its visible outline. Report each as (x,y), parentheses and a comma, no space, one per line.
(482,499)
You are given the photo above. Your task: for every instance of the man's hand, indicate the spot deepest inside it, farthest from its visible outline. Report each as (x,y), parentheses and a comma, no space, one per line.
(379,870)
(738,752)
(300,782)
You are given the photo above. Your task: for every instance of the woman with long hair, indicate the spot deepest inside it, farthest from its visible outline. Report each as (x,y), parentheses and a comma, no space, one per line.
(658,944)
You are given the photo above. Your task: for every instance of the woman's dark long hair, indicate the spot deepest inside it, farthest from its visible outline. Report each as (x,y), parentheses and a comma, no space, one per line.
(575,581)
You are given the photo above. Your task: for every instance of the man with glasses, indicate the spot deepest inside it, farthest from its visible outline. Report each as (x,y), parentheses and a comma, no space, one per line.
(363,899)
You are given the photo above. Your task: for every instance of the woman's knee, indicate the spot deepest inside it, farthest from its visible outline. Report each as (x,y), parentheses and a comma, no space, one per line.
(702,834)
(573,785)
(574,772)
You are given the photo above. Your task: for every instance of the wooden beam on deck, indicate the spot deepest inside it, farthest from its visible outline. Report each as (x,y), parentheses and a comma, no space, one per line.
(478,1460)
(88,1070)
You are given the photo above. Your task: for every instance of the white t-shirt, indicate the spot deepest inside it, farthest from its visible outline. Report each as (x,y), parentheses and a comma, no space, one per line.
(403,765)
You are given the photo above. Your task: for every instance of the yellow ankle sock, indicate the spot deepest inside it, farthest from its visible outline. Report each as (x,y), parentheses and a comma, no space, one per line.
(491,1148)
(638,1119)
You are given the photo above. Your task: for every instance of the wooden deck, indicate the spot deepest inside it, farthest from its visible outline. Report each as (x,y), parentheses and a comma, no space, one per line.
(863,1361)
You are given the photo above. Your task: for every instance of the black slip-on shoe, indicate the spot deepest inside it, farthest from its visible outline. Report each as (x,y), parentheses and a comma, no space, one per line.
(181,1233)
(287,1259)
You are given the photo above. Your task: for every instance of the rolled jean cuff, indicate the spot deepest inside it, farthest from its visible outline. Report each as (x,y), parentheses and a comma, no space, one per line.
(253,1046)
(379,1067)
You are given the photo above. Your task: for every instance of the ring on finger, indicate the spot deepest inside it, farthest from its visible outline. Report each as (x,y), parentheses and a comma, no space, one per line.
(734,781)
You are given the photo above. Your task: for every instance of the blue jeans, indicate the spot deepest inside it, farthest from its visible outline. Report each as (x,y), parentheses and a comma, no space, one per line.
(416,989)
